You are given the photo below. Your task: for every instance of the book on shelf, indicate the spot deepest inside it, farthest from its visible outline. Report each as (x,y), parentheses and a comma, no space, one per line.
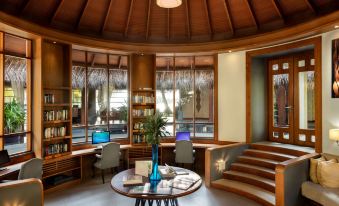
(132,180)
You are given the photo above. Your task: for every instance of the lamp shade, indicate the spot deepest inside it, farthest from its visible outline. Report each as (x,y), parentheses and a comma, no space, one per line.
(169,3)
(334,134)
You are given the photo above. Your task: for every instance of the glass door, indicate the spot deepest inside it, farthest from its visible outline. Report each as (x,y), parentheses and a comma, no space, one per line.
(292,99)
(281,100)
(304,131)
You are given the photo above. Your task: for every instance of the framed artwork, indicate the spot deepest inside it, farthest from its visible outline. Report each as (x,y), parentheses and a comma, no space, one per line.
(335,68)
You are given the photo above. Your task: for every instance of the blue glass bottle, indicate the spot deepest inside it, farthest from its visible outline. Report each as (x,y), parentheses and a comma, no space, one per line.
(155,175)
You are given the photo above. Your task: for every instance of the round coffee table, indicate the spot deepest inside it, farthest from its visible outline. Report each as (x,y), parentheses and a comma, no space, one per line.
(164,192)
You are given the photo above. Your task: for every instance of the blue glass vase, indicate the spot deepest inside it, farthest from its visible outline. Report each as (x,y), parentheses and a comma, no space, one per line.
(155,175)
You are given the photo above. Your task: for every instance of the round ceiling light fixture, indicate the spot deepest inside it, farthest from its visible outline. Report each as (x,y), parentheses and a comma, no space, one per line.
(169,4)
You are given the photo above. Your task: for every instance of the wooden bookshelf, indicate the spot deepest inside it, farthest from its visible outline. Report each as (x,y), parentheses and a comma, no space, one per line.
(143,94)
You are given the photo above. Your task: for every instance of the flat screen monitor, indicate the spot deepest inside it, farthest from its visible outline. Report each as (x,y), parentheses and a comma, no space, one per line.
(183,136)
(4,157)
(100,137)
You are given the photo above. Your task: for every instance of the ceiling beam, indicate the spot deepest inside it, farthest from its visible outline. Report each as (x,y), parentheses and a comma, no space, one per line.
(129,17)
(254,18)
(311,5)
(119,62)
(188,23)
(228,16)
(278,9)
(108,10)
(82,11)
(168,24)
(24,6)
(207,13)
(148,18)
(55,11)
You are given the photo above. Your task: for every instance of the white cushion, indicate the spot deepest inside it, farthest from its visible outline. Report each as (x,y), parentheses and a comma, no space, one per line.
(319,194)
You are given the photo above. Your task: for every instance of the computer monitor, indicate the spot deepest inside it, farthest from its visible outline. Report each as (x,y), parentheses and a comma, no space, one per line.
(183,136)
(4,157)
(100,137)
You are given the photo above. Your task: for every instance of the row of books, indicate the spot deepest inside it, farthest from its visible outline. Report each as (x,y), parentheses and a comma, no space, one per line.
(138,138)
(138,125)
(53,115)
(143,99)
(142,112)
(56,148)
(49,98)
(51,132)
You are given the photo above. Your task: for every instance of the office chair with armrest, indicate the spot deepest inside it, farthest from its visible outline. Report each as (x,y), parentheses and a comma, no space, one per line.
(184,152)
(109,158)
(31,169)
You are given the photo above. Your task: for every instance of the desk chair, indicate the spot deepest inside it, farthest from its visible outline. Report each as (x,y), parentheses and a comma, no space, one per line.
(184,152)
(109,158)
(31,169)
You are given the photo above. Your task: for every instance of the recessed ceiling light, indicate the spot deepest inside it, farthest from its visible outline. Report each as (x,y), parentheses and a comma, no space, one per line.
(336,26)
(54,42)
(229,51)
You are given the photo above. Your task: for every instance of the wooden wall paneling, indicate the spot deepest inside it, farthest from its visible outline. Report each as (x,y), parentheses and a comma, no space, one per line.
(215,110)
(2,71)
(37,98)
(318,94)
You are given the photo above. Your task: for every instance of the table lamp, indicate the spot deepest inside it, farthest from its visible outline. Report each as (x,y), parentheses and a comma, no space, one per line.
(334,135)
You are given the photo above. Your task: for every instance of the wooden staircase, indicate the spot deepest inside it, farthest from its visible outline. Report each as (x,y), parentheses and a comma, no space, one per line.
(253,173)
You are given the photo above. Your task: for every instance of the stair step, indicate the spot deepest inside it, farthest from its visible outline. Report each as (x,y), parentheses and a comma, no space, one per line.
(257,194)
(258,181)
(254,170)
(277,149)
(262,162)
(268,155)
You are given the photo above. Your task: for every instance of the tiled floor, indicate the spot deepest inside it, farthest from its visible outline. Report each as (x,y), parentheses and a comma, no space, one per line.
(94,193)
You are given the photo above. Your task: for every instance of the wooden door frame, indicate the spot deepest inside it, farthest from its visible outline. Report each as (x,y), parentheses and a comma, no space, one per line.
(316,42)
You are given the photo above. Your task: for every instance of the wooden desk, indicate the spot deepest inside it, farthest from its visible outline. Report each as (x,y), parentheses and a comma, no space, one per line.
(10,170)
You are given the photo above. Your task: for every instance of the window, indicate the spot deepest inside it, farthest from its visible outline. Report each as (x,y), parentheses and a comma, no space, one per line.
(99,95)
(185,94)
(16,57)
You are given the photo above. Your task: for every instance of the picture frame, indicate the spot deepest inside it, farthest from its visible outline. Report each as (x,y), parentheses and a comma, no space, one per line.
(335,68)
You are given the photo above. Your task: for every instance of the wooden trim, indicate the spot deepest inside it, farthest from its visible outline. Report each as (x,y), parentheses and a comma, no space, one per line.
(311,28)
(208,18)
(316,41)
(278,9)
(311,6)
(280,178)
(215,109)
(248,98)
(24,6)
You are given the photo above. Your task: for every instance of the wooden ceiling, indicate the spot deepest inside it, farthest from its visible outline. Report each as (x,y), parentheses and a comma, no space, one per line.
(143,21)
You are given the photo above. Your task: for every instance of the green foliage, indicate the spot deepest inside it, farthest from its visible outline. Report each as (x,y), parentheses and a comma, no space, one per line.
(123,112)
(14,116)
(154,128)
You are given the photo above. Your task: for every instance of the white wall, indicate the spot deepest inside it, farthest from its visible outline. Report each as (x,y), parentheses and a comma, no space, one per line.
(232,96)
(330,110)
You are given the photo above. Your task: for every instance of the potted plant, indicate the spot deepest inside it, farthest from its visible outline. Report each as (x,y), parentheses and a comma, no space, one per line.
(14,116)
(154,129)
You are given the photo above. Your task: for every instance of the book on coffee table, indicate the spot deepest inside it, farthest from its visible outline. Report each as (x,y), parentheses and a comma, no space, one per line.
(132,180)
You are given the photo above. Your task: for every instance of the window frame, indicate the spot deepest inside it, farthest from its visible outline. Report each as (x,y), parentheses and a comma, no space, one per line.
(194,122)
(86,126)
(29,58)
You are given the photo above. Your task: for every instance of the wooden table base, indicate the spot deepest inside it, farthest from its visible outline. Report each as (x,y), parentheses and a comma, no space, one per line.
(167,202)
